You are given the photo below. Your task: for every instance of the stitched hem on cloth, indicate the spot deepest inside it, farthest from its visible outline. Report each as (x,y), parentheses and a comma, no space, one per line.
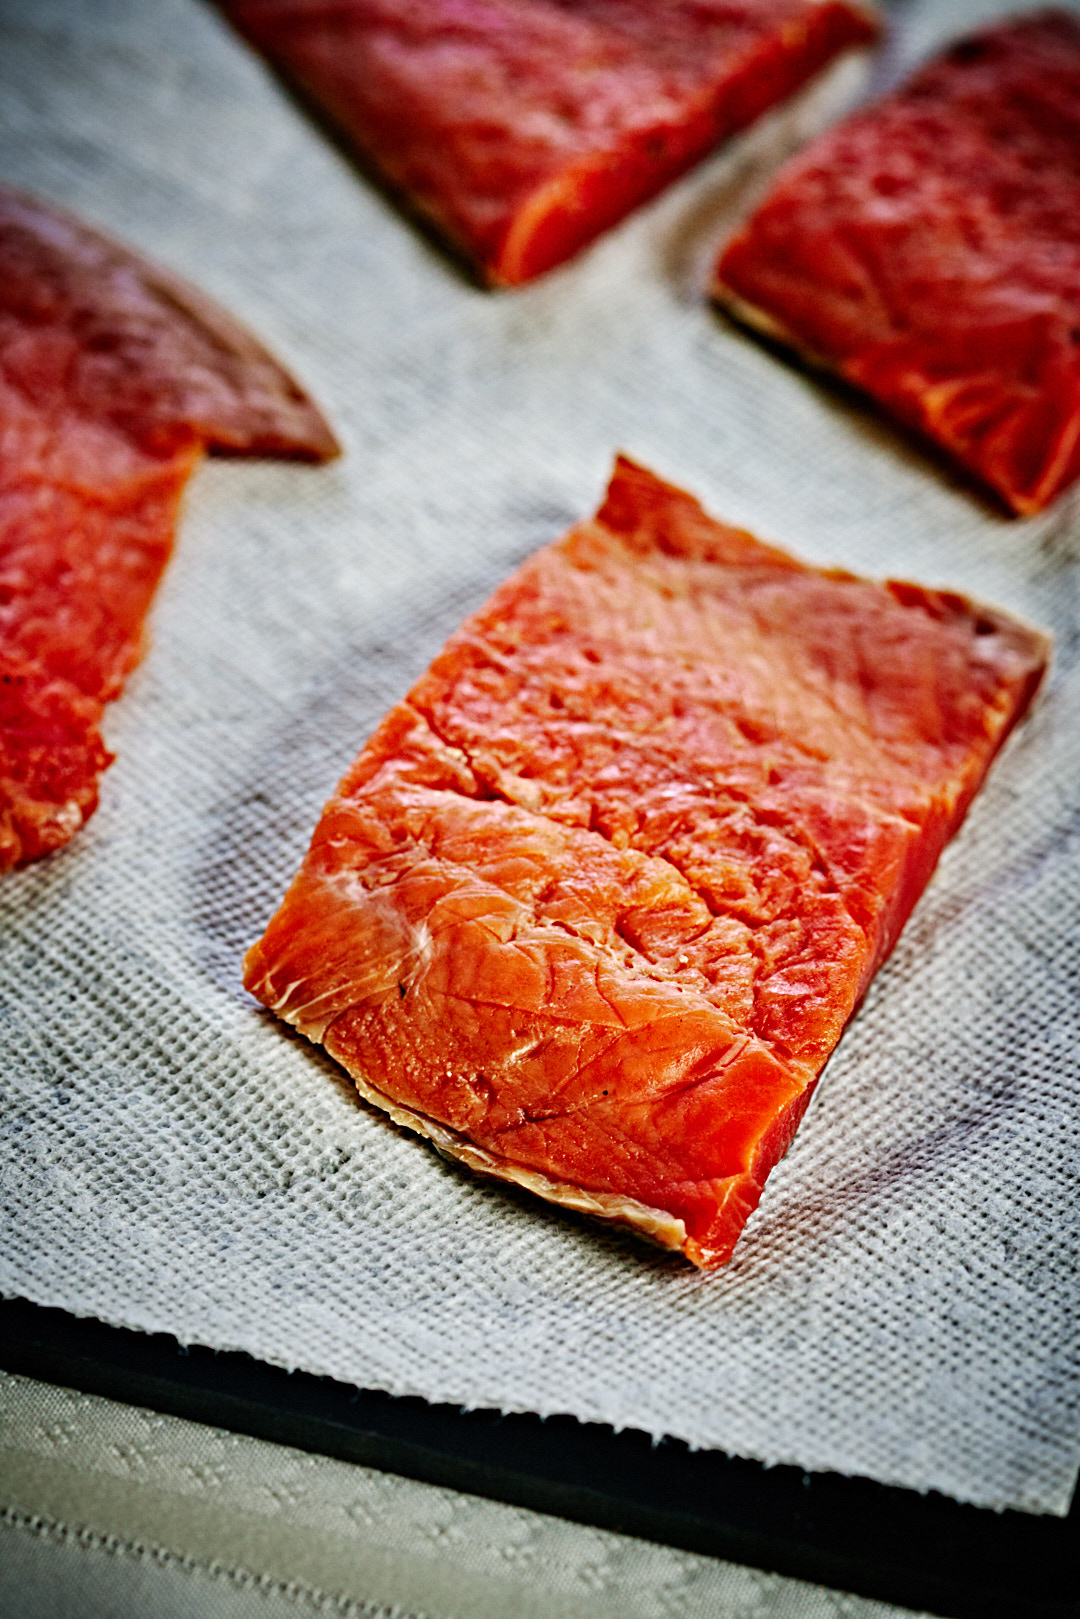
(92,1540)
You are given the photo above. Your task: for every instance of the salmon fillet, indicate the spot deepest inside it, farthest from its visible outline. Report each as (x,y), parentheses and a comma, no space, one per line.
(114,378)
(523,128)
(928,250)
(592,907)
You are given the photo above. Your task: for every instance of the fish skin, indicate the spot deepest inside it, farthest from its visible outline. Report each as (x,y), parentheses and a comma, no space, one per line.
(597,899)
(927,250)
(524,128)
(115,376)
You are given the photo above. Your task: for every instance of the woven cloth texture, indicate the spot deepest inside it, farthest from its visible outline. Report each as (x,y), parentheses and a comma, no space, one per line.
(210,1525)
(904,1305)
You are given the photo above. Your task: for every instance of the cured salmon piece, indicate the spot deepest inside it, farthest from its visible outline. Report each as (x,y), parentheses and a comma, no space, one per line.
(928,250)
(523,128)
(114,378)
(593,906)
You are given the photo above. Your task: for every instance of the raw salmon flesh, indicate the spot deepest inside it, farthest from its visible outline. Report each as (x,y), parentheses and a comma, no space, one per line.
(114,378)
(593,906)
(523,128)
(928,250)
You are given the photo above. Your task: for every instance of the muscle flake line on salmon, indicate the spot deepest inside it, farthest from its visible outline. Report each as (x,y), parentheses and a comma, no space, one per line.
(522,129)
(928,250)
(593,906)
(115,376)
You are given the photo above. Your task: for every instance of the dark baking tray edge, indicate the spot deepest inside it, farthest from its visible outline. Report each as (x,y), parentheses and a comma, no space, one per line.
(921,1551)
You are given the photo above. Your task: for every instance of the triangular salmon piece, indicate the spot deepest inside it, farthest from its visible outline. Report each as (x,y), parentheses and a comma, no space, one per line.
(115,376)
(593,906)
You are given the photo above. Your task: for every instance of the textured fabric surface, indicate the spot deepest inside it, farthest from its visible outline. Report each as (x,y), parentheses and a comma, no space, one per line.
(51,1571)
(904,1304)
(134,1514)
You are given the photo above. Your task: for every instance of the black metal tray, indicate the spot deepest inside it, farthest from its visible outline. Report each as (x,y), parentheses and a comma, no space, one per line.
(921,1551)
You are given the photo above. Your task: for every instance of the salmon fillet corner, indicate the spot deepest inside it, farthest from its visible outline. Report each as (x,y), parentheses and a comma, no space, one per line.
(522,129)
(593,906)
(927,250)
